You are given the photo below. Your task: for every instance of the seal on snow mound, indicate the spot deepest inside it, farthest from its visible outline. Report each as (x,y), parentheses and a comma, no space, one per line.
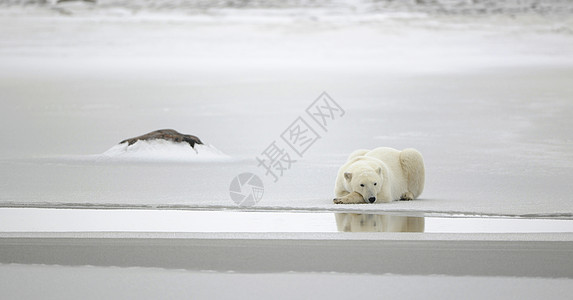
(165,134)
(164,145)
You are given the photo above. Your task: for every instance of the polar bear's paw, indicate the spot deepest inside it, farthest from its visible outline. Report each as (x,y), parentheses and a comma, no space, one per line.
(352,198)
(407,196)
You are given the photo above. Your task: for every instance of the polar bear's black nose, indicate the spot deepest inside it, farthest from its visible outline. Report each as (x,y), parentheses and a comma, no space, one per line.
(372,199)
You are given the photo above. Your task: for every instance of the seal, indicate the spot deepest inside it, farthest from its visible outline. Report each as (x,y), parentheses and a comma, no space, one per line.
(165,134)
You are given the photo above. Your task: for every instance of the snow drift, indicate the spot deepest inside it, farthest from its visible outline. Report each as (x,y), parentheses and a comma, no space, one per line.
(163,150)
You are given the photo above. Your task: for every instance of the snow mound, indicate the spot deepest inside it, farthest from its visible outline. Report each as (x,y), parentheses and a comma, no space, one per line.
(164,150)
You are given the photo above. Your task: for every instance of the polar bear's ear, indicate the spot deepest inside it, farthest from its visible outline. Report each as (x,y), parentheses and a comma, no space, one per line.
(348,176)
(379,170)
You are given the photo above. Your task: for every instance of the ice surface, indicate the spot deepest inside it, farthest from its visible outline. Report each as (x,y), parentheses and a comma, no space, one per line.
(203,221)
(90,282)
(364,253)
(486,99)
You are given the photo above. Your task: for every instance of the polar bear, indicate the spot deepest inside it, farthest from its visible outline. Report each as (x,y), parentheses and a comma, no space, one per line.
(380,175)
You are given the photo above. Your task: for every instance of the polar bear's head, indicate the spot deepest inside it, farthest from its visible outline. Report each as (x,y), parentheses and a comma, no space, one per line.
(367,183)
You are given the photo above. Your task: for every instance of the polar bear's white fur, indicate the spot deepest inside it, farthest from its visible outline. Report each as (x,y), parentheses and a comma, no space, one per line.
(380,175)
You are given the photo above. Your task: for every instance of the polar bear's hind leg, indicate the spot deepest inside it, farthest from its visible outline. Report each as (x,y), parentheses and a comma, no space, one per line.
(413,167)
(407,196)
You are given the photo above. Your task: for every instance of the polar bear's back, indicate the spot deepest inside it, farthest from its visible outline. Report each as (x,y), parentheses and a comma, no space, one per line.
(357,153)
(390,156)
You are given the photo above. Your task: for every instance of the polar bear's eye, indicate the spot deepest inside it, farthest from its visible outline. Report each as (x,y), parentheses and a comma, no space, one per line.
(362,184)
(374,183)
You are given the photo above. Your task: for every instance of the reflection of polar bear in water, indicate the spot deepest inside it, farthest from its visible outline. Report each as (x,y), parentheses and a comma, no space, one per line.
(378,223)
(380,175)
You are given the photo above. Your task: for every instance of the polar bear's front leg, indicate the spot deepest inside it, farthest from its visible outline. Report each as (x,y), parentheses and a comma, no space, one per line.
(351,198)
